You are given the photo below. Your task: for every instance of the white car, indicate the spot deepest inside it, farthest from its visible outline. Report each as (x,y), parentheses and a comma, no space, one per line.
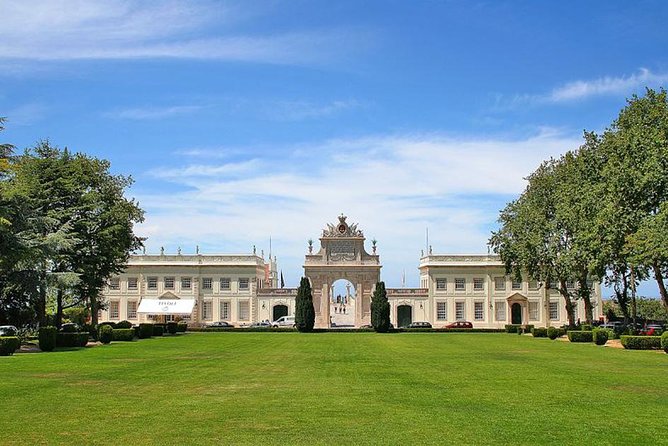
(284,321)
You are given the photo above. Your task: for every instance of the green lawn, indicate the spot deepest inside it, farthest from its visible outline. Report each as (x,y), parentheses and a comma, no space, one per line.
(335,388)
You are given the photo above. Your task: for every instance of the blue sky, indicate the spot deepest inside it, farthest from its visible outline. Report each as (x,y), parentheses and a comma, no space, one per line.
(245,120)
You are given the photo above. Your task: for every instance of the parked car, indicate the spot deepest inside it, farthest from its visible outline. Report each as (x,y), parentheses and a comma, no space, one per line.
(420,324)
(8,330)
(261,324)
(460,324)
(284,321)
(220,324)
(69,327)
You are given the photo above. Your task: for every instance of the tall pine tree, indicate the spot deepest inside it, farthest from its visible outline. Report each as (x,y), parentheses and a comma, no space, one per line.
(380,309)
(304,311)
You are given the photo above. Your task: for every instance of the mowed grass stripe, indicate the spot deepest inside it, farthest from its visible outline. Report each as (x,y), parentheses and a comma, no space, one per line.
(336,388)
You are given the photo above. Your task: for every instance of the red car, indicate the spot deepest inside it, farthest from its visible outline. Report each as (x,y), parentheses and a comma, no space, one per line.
(460,324)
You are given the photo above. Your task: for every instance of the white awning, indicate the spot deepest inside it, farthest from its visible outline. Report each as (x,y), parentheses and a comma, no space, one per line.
(166,306)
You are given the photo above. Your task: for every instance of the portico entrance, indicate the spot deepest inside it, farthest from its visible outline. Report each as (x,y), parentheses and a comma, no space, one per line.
(518,306)
(342,255)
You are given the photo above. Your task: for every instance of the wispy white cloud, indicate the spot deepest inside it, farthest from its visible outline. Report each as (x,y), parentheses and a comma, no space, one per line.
(301,110)
(584,89)
(394,186)
(148,113)
(79,29)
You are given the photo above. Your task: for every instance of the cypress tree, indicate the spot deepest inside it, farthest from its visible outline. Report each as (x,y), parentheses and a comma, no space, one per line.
(304,311)
(380,309)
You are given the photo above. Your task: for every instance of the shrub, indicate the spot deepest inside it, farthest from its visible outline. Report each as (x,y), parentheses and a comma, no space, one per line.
(106,334)
(580,336)
(513,328)
(47,338)
(539,332)
(172,327)
(123,324)
(181,327)
(111,324)
(664,341)
(586,327)
(123,334)
(641,342)
(158,330)
(520,330)
(145,331)
(71,339)
(528,328)
(92,331)
(600,336)
(554,332)
(8,345)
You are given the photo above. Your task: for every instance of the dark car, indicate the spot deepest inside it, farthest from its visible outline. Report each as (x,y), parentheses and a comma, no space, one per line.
(422,324)
(460,324)
(220,324)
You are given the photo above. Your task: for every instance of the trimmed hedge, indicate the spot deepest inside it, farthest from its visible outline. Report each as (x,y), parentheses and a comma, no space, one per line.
(8,345)
(71,339)
(105,334)
(554,332)
(47,338)
(513,328)
(145,331)
(181,327)
(172,327)
(539,332)
(158,329)
(641,342)
(600,336)
(664,341)
(123,334)
(111,324)
(586,327)
(580,336)
(123,324)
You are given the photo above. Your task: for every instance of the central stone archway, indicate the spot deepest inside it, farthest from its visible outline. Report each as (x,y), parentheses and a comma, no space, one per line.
(342,256)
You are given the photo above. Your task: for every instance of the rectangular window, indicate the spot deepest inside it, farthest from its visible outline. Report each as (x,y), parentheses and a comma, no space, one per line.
(533,311)
(441,311)
(533,285)
(169,283)
(441,284)
(186,283)
(478,284)
(554,311)
(207,307)
(499,283)
(244,310)
(500,310)
(132,309)
(225,283)
(114,283)
(243,283)
(460,284)
(479,311)
(206,283)
(132,283)
(225,311)
(152,283)
(113,309)
(517,284)
(460,313)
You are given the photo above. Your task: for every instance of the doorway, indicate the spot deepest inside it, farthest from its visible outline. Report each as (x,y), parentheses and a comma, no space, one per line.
(279,311)
(404,315)
(516,313)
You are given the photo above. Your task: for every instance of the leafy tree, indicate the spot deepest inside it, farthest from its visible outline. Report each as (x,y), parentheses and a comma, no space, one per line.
(304,311)
(380,309)
(71,225)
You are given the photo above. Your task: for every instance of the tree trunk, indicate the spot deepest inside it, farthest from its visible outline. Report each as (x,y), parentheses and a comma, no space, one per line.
(41,304)
(585,294)
(59,308)
(662,286)
(93,310)
(563,290)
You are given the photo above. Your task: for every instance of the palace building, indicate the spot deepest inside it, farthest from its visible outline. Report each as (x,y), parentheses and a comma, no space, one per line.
(243,289)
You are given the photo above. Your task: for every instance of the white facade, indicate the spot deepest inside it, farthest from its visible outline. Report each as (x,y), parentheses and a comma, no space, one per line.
(242,289)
